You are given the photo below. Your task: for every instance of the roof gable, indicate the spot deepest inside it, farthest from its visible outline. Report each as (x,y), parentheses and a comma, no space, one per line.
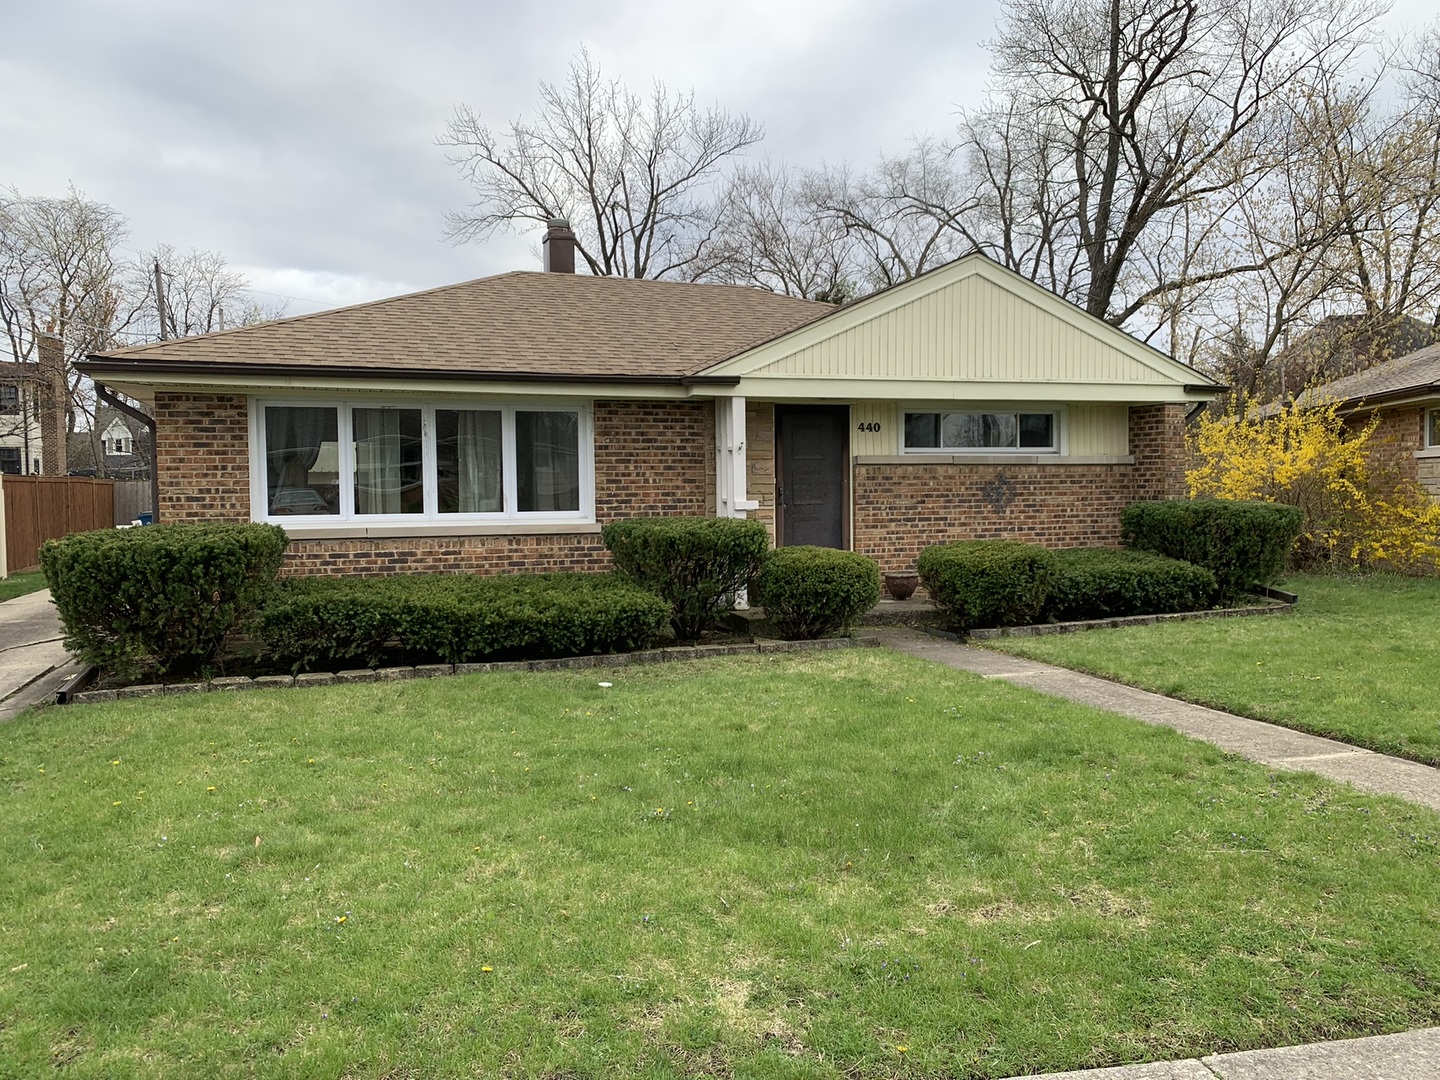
(971,322)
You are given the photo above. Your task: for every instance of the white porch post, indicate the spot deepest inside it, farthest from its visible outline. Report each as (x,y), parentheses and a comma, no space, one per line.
(730,500)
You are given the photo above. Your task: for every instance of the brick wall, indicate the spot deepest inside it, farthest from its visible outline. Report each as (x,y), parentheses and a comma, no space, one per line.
(902,509)
(654,457)
(202,448)
(651,457)
(449,554)
(1399,435)
(1157,442)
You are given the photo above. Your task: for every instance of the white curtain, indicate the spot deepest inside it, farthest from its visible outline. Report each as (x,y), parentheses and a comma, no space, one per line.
(478,450)
(377,461)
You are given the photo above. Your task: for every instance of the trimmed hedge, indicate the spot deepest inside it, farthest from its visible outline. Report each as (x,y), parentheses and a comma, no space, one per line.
(1241,543)
(161,597)
(1100,583)
(808,592)
(697,564)
(456,618)
(987,582)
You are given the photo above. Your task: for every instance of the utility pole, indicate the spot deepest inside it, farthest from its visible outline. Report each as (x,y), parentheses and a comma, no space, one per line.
(160,303)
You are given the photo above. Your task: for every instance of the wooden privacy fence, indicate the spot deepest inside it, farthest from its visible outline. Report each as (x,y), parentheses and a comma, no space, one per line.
(40,508)
(132,498)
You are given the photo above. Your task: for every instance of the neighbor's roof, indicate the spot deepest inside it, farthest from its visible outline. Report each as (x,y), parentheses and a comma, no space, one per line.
(520,323)
(1414,373)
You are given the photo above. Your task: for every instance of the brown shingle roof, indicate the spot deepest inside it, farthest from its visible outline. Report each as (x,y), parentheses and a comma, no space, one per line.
(521,323)
(1415,372)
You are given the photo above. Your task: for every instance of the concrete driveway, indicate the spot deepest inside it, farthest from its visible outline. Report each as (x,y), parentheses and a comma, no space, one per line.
(33,662)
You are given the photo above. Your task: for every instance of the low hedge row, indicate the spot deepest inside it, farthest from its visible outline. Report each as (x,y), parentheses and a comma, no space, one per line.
(456,618)
(159,598)
(1005,583)
(1101,583)
(1241,543)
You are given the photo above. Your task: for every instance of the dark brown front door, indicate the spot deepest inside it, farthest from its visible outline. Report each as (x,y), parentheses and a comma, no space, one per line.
(813,446)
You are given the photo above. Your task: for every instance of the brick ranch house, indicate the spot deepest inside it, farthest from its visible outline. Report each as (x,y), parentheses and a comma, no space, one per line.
(497,424)
(1404,394)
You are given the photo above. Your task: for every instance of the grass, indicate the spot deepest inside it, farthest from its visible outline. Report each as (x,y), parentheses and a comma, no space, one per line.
(848,865)
(20,584)
(1356,661)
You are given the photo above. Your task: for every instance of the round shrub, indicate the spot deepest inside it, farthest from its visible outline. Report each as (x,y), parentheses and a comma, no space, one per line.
(161,597)
(1099,583)
(809,592)
(987,582)
(697,564)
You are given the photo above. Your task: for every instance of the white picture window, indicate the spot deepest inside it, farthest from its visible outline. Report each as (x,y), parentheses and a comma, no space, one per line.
(1432,429)
(376,463)
(981,432)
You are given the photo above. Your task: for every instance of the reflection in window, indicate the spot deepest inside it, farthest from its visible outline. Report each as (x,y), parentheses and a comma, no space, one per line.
(547,460)
(469,460)
(388,454)
(302,460)
(980,431)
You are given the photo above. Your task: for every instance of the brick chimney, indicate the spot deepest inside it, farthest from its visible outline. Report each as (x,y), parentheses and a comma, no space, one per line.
(53,396)
(559,247)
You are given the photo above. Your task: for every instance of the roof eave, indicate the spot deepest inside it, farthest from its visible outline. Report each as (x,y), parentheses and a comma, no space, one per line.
(98,366)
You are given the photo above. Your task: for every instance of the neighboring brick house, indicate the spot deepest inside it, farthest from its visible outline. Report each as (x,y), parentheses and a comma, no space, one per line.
(1405,395)
(497,424)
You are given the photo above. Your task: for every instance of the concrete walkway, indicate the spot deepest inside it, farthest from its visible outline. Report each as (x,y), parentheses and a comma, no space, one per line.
(1269,744)
(33,662)
(1414,1055)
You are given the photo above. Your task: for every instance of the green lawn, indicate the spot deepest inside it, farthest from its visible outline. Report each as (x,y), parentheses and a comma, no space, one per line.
(20,584)
(850,864)
(1357,660)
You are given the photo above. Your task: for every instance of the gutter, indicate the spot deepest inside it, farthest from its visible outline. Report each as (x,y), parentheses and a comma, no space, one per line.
(105,394)
(99,366)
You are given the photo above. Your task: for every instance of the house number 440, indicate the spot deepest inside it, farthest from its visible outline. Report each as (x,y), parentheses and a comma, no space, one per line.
(872,426)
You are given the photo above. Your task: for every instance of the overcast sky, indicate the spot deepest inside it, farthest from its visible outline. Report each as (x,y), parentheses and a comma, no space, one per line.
(298,138)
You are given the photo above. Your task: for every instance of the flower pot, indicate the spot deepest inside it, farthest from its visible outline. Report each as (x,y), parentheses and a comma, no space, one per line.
(901,586)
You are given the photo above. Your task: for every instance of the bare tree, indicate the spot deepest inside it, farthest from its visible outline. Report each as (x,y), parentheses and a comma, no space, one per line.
(1142,108)
(1380,174)
(203,294)
(901,213)
(61,274)
(638,178)
(773,233)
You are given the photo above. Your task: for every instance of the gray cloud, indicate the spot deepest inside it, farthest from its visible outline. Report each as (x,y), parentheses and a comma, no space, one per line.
(299,138)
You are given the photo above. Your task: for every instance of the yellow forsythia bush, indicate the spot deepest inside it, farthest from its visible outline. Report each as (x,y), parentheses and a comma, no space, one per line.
(1311,459)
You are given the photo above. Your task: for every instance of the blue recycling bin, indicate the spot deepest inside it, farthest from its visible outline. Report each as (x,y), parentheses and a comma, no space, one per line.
(146,517)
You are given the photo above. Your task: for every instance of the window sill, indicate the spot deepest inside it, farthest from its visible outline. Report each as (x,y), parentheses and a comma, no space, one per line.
(993,459)
(355,531)
(1428,452)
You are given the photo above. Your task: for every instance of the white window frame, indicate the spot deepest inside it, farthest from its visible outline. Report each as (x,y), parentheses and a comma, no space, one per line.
(1432,424)
(429,462)
(1057,435)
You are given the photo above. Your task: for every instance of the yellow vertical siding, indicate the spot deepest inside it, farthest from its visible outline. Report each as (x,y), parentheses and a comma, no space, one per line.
(882,415)
(972,329)
(1092,430)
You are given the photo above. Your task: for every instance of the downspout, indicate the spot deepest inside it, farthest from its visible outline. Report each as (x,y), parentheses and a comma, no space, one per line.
(104,393)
